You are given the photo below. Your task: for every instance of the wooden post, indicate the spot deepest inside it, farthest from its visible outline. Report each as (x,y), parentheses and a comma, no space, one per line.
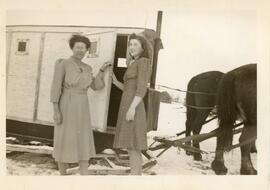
(156,50)
(41,52)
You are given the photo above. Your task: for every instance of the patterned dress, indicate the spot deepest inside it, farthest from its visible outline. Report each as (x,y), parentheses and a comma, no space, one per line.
(73,138)
(133,134)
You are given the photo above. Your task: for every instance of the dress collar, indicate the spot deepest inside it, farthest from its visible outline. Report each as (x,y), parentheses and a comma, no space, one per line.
(132,61)
(78,63)
(76,59)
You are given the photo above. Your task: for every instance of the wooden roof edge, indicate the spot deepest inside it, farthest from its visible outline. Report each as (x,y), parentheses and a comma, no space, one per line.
(77,26)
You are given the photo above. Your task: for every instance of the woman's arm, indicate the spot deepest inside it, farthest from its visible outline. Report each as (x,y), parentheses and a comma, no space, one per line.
(57,115)
(132,109)
(143,76)
(56,107)
(56,90)
(117,83)
(98,81)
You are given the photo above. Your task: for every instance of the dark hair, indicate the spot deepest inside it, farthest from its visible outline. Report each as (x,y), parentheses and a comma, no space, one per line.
(79,38)
(143,42)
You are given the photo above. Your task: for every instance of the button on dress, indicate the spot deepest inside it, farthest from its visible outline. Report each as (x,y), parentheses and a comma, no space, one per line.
(73,138)
(133,134)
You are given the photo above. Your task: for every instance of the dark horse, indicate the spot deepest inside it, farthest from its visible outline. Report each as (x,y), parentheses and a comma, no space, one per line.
(237,98)
(200,99)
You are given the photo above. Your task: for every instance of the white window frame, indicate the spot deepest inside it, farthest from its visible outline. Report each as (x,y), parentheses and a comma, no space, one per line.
(95,54)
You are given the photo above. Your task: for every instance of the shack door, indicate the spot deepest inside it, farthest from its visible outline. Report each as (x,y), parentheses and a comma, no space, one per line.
(22,73)
(55,47)
(102,50)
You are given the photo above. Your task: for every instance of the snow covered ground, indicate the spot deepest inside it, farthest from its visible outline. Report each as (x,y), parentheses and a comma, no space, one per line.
(172,162)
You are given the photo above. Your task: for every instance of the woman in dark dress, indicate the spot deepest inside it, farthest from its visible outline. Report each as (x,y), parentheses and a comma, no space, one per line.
(131,128)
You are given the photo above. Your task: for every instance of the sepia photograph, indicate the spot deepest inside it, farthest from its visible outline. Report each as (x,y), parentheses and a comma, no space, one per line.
(137,88)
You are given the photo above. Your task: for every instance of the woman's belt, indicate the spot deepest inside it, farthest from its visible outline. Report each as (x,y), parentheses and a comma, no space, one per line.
(75,91)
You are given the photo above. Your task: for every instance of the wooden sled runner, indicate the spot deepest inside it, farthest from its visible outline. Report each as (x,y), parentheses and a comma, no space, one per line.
(177,141)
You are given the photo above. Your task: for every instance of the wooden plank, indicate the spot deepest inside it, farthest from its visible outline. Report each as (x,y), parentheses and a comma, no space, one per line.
(197,138)
(21,119)
(157,147)
(207,121)
(149,164)
(100,171)
(44,150)
(30,149)
(113,171)
(164,150)
(109,172)
(248,141)
(152,109)
(181,133)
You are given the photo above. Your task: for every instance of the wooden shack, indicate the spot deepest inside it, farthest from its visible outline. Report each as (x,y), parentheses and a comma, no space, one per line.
(31,54)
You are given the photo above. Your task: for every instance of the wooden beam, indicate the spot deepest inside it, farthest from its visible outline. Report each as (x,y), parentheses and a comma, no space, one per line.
(164,150)
(197,138)
(149,164)
(207,121)
(100,171)
(156,50)
(158,147)
(109,172)
(41,50)
(30,149)
(43,150)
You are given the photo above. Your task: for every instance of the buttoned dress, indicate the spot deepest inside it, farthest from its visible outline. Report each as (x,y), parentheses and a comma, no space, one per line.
(73,138)
(133,134)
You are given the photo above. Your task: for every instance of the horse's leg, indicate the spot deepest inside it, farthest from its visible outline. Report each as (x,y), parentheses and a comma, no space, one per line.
(188,133)
(246,165)
(197,126)
(191,115)
(218,164)
(253,148)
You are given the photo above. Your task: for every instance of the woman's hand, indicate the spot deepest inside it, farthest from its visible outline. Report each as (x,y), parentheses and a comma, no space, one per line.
(57,117)
(105,66)
(132,109)
(116,82)
(130,114)
(114,79)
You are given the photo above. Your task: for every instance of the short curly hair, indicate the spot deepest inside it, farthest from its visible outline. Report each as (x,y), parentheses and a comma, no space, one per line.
(143,42)
(79,38)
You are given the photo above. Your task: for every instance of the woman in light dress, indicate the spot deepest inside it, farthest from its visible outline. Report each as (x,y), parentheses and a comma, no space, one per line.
(73,137)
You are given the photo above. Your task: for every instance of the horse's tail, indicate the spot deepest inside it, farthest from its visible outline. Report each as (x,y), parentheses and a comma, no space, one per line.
(226,108)
(189,96)
(190,112)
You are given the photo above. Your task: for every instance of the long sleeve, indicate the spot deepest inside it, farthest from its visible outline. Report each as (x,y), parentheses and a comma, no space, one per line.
(143,77)
(58,78)
(98,82)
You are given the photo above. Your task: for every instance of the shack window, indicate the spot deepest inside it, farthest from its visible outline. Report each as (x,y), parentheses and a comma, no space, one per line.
(22,46)
(94,49)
